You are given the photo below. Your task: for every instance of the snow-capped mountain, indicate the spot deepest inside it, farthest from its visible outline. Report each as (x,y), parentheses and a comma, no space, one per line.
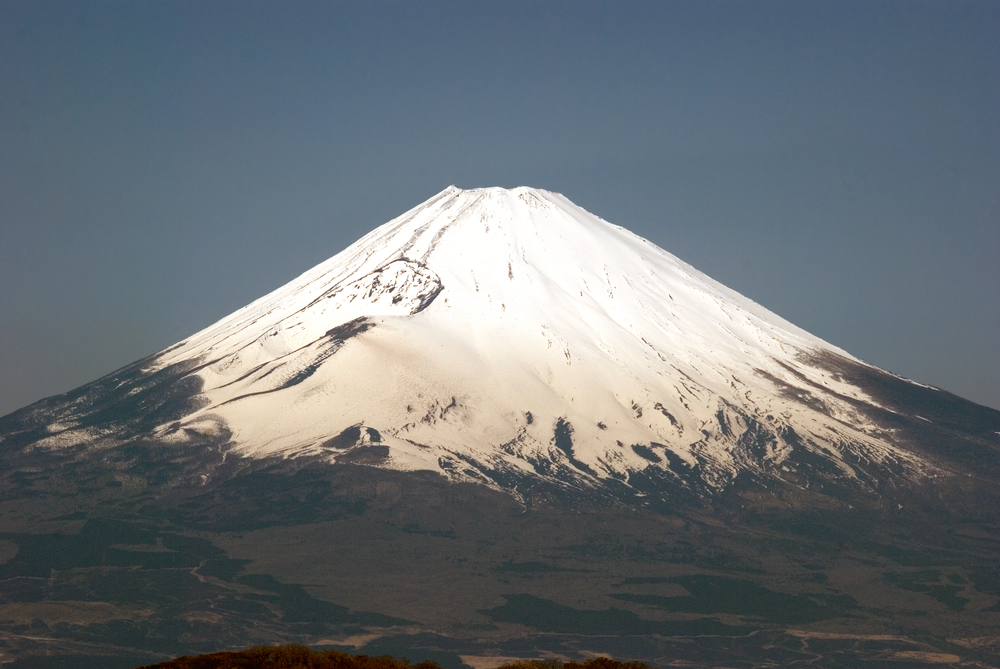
(495,335)
(499,425)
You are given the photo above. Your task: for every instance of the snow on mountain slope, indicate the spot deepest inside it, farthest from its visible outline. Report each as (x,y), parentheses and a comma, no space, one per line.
(492,333)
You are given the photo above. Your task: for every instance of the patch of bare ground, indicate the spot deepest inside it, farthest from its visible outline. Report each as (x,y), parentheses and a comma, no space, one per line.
(991,643)
(81,613)
(930,658)
(487,661)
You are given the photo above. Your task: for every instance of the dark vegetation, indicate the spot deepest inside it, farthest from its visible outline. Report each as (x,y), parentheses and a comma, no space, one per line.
(595,663)
(301,657)
(288,657)
(716,594)
(546,616)
(76,589)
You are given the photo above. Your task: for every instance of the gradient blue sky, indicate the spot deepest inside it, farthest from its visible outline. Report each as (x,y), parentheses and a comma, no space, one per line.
(163,163)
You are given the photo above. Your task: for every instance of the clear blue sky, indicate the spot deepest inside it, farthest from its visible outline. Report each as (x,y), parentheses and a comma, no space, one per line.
(163,163)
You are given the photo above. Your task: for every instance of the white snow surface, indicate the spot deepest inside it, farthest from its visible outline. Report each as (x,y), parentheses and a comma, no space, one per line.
(465,331)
